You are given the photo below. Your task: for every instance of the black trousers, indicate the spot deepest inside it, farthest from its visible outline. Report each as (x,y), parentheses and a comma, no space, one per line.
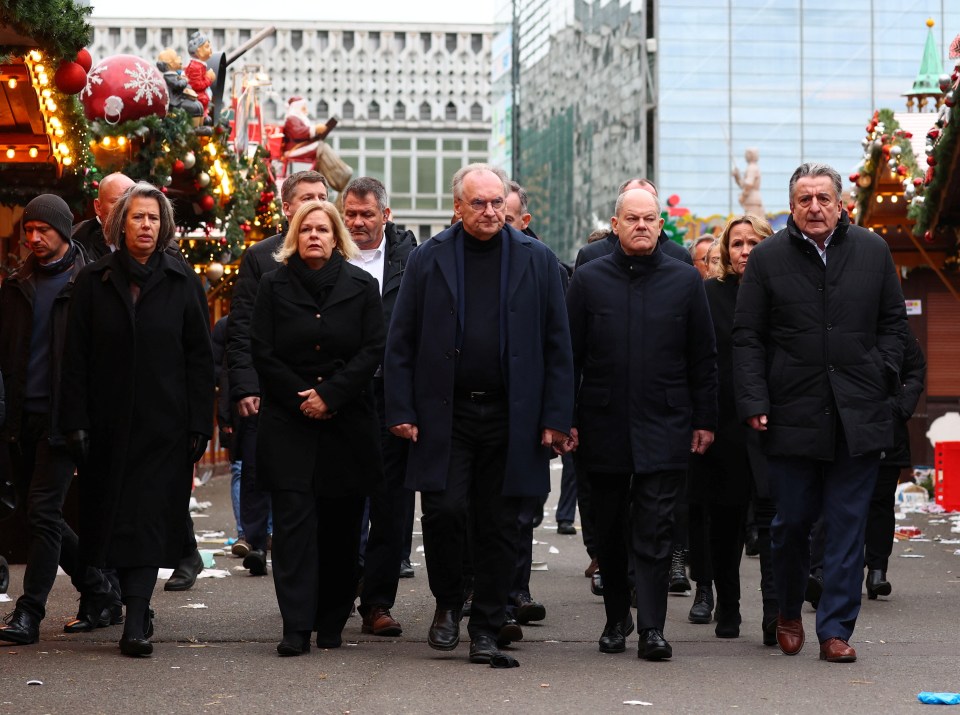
(763,512)
(567,503)
(474,481)
(880,519)
(698,529)
(634,519)
(42,474)
(314,534)
(254,501)
(389,507)
(587,519)
(520,583)
(726,535)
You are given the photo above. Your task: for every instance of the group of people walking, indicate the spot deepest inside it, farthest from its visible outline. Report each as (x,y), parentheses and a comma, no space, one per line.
(366,367)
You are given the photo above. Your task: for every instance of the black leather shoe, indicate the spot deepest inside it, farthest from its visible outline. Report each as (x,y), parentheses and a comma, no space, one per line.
(467,606)
(510,631)
(21,628)
(653,646)
(877,584)
(814,588)
(135,647)
(294,643)
(728,622)
(528,610)
(596,584)
(567,528)
(482,648)
(328,642)
(256,562)
(406,569)
(444,633)
(614,637)
(702,609)
(679,583)
(185,575)
(84,622)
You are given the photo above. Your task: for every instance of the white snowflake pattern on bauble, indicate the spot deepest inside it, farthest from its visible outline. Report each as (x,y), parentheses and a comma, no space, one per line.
(93,77)
(147,83)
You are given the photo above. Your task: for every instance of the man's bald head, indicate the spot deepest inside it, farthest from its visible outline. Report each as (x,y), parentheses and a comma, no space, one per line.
(111,189)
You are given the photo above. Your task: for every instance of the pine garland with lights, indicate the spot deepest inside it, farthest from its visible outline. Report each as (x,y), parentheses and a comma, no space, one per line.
(886,147)
(59,26)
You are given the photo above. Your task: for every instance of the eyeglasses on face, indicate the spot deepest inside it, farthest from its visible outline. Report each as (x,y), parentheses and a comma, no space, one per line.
(479,205)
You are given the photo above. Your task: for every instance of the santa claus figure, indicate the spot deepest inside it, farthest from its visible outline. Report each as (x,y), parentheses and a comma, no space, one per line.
(299,131)
(198,74)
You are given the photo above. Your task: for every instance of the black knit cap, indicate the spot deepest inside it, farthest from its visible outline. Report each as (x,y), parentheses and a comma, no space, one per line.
(53,210)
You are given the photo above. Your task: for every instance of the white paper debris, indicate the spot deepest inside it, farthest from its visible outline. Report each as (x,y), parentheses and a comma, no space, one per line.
(911,556)
(554,550)
(164,574)
(636,702)
(216,573)
(34,682)
(539,566)
(5,598)
(419,549)
(194,605)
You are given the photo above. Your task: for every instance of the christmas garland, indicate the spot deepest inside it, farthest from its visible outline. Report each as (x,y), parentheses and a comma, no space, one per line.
(59,27)
(886,147)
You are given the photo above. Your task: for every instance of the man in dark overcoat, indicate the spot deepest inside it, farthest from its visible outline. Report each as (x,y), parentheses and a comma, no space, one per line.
(645,362)
(479,376)
(34,302)
(818,335)
(258,260)
(384,249)
(89,233)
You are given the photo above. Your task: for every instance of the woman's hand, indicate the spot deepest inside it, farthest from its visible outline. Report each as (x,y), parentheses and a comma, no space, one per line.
(313,405)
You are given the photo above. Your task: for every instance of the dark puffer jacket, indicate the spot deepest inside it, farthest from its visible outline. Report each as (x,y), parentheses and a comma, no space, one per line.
(913,374)
(813,341)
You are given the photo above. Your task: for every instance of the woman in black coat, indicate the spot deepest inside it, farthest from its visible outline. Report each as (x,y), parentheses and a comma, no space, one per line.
(317,339)
(136,390)
(722,479)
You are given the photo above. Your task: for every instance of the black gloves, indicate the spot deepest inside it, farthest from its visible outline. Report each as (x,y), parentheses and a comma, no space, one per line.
(198,445)
(78,445)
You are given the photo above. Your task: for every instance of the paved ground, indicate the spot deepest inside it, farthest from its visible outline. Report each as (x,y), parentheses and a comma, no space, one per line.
(220,657)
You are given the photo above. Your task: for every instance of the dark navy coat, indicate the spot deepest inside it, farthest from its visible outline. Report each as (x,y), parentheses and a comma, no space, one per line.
(646,362)
(420,361)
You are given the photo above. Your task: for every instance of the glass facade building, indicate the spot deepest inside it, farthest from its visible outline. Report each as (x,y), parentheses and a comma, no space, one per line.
(677,90)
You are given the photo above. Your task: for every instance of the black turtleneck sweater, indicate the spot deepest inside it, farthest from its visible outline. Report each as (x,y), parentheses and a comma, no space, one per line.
(479,365)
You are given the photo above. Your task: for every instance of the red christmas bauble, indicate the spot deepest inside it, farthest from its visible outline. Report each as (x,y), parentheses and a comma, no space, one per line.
(902,170)
(70,77)
(206,202)
(178,166)
(124,87)
(928,237)
(854,176)
(84,59)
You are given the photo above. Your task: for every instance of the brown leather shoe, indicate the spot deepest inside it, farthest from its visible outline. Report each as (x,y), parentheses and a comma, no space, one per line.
(379,622)
(837,650)
(790,635)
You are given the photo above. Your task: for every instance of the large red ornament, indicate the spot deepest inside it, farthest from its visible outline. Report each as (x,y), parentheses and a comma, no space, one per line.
(124,87)
(84,59)
(206,202)
(70,77)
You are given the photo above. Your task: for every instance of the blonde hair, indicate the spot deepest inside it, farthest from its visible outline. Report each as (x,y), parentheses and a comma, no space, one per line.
(761,227)
(344,243)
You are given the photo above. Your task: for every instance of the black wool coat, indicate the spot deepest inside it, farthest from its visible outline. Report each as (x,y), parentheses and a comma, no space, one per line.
(422,347)
(814,342)
(89,234)
(726,473)
(16,328)
(913,374)
(139,379)
(645,361)
(334,348)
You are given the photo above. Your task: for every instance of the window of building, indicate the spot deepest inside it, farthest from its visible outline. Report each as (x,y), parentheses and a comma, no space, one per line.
(451,42)
(476,112)
(296,39)
(425,112)
(426,144)
(398,144)
(375,144)
(323,109)
(423,232)
(399,111)
(217,39)
(452,145)
(373,41)
(427,178)
(376,167)
(348,40)
(450,111)
(244,35)
(476,43)
(166,36)
(399,41)
(323,39)
(425,41)
(477,145)
(140,36)
(373,110)
(349,143)
(348,110)
(400,175)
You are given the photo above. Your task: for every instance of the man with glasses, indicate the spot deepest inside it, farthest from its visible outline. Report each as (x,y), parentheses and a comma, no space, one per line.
(818,338)
(698,252)
(479,377)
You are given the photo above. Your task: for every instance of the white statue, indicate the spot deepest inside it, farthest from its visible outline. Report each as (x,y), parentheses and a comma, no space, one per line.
(749,184)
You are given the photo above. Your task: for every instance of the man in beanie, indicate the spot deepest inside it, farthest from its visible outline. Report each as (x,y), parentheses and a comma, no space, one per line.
(34,302)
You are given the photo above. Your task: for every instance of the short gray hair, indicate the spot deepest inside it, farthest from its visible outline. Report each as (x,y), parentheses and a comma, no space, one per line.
(812,168)
(363,186)
(514,188)
(656,200)
(705,237)
(469,169)
(115,230)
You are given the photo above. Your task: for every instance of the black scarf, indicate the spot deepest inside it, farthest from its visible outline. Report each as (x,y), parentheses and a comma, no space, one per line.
(52,269)
(320,281)
(136,272)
